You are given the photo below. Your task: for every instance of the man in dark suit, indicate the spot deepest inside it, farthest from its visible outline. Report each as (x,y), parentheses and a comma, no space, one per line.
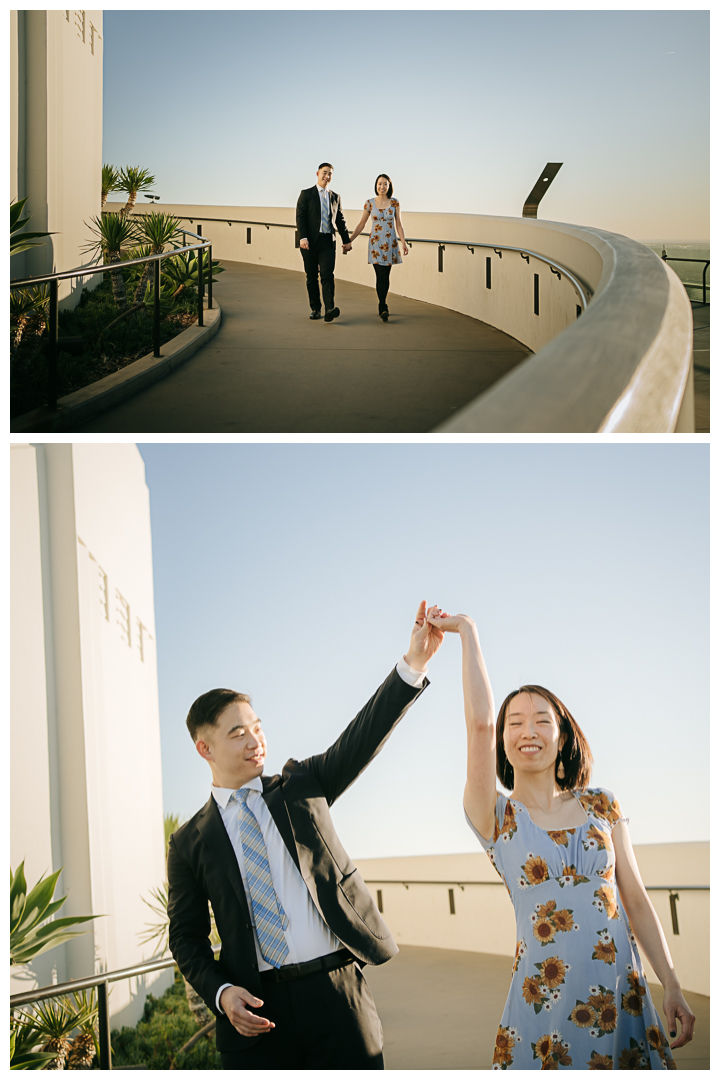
(319,214)
(295,918)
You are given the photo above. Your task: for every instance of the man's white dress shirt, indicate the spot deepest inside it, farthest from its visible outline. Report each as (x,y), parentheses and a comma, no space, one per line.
(307,934)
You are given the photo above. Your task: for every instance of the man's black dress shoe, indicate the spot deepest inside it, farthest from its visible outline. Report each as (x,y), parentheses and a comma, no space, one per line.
(333,314)
(316,314)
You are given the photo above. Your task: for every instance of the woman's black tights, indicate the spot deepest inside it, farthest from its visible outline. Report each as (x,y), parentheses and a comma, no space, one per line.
(382,284)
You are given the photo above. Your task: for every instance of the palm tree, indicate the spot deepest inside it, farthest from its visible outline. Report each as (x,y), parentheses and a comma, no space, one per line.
(56,1018)
(155,229)
(112,232)
(132,180)
(110,181)
(28,311)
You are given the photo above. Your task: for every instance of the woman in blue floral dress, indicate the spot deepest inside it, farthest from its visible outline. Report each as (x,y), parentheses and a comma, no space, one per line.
(383,245)
(578,995)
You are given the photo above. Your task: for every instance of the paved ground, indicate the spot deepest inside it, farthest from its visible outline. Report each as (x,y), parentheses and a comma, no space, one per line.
(701,361)
(270,369)
(440,1009)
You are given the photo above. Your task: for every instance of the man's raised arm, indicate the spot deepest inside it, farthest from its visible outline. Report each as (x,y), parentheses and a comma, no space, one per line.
(365,736)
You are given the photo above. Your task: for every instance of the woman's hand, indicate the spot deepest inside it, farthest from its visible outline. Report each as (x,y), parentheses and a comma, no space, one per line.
(452,624)
(676,1008)
(405,248)
(425,639)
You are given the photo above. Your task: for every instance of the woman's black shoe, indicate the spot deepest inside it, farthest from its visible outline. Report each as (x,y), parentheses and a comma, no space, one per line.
(384,313)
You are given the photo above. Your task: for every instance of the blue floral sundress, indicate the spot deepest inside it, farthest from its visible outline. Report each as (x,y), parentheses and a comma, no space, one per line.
(578,996)
(383,247)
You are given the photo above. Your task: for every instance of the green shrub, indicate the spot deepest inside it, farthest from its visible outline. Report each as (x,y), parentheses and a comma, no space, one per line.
(126,341)
(166,1026)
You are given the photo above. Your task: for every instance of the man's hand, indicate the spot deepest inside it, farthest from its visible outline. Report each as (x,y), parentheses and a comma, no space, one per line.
(305,245)
(425,639)
(233,1001)
(346,248)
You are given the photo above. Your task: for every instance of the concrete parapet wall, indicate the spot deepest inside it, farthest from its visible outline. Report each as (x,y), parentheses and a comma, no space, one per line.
(624,365)
(416,904)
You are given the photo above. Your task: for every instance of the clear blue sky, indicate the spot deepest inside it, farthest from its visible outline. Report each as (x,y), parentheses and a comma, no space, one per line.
(293,572)
(463,109)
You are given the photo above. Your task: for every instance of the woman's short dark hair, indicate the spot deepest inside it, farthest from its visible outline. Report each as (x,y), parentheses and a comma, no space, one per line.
(385,175)
(575,755)
(204,712)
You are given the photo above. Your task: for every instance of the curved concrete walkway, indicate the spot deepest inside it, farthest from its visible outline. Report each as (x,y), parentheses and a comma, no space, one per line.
(440,1009)
(270,369)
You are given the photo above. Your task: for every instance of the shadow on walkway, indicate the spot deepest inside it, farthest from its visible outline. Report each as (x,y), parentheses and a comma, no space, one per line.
(440,1009)
(270,369)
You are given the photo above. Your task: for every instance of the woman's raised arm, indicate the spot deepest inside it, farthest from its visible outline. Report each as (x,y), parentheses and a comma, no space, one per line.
(480,790)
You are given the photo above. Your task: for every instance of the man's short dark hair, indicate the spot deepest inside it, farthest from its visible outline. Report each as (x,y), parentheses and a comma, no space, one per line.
(204,712)
(325,165)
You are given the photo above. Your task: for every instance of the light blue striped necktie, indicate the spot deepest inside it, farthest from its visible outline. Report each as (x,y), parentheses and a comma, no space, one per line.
(270,919)
(324,204)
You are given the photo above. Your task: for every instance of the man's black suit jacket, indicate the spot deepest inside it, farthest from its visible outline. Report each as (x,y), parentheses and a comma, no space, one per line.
(308,216)
(202,865)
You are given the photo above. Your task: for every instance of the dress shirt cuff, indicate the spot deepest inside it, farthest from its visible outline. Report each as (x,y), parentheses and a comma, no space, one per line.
(409,674)
(217,997)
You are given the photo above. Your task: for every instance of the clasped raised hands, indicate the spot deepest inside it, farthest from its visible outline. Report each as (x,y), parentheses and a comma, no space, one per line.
(426,638)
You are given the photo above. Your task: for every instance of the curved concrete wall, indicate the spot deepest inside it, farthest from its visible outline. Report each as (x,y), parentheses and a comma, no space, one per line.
(624,365)
(416,904)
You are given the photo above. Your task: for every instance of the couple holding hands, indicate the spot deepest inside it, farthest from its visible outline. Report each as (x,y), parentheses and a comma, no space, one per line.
(297,922)
(319,214)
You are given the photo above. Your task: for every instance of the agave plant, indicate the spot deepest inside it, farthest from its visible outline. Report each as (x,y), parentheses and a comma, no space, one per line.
(28,311)
(156,230)
(30,932)
(134,179)
(22,241)
(56,1018)
(112,232)
(181,271)
(110,181)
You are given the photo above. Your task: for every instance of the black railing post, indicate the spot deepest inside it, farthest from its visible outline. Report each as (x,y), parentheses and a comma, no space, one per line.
(201,287)
(104,1027)
(156,309)
(210,276)
(704,286)
(53,345)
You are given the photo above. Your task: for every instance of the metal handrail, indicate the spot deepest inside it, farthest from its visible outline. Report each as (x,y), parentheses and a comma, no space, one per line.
(101,982)
(583,291)
(690,284)
(461,884)
(91,269)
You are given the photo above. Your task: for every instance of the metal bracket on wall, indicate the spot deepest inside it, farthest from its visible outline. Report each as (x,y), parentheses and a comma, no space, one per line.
(544,181)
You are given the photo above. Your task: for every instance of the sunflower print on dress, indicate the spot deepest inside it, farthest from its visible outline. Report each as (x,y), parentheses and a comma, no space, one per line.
(578,996)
